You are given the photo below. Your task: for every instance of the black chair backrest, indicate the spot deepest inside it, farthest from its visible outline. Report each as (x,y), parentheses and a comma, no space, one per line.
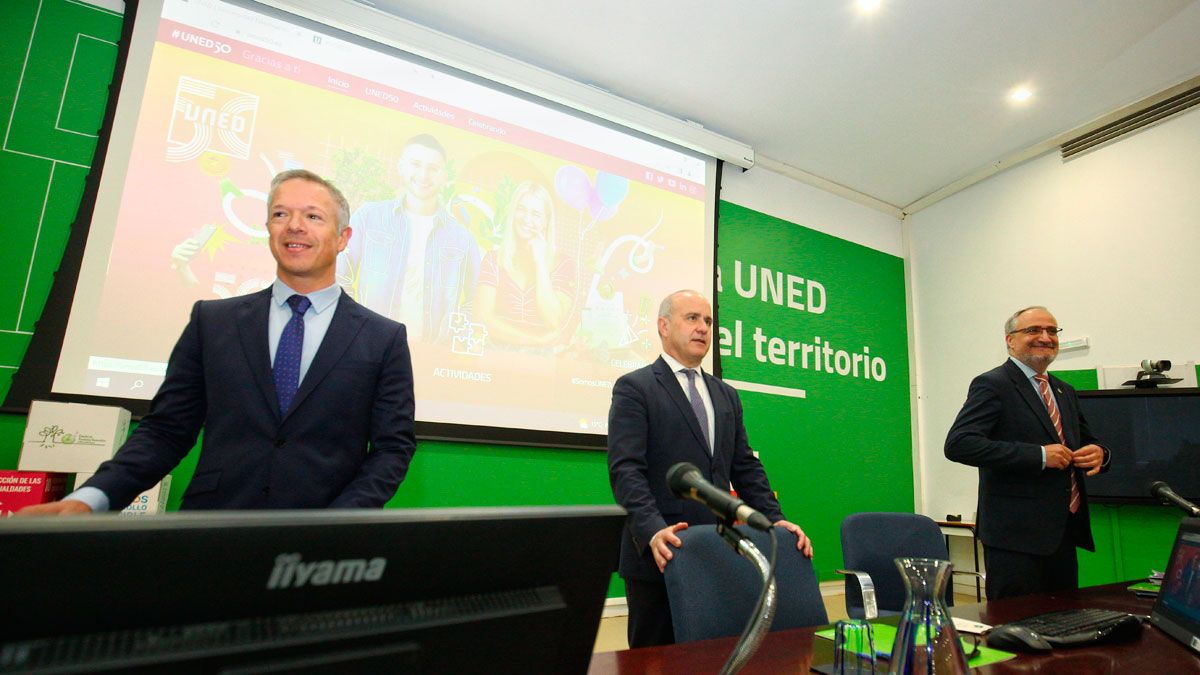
(713,590)
(871,542)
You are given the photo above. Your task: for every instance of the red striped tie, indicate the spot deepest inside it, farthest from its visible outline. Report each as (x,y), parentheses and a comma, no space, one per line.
(1052,408)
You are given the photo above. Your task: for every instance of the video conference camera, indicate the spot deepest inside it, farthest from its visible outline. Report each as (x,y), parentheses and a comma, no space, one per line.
(1152,374)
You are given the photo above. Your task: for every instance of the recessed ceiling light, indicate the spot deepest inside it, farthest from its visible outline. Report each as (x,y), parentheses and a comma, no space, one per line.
(1020,94)
(867,6)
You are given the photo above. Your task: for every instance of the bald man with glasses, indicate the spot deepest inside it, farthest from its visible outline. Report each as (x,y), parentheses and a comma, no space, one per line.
(1023,429)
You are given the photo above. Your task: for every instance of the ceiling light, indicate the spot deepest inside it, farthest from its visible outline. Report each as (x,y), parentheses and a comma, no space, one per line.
(867,6)
(1020,94)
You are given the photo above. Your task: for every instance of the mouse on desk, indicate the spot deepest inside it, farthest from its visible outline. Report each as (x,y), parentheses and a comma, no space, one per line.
(1012,638)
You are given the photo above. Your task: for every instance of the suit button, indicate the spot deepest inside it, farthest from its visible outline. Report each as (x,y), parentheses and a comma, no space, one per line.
(266,490)
(280,442)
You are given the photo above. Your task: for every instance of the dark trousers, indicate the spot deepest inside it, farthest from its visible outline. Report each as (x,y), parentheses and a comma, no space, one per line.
(1013,573)
(649,613)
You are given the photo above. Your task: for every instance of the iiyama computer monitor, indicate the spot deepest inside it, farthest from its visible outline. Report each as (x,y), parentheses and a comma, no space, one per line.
(1177,610)
(416,591)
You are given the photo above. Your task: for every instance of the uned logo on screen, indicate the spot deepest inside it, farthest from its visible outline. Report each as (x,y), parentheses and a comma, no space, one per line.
(216,46)
(212,118)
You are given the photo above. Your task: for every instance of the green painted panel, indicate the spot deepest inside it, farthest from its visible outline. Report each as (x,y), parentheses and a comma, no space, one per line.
(56,63)
(86,89)
(1082,380)
(462,474)
(1147,533)
(62,203)
(17,19)
(1104,565)
(12,429)
(49,63)
(30,178)
(13,346)
(826,307)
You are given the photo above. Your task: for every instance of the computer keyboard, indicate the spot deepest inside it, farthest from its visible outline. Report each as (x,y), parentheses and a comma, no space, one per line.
(1073,627)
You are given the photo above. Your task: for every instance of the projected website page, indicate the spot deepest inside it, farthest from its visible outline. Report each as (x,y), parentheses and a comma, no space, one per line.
(526,249)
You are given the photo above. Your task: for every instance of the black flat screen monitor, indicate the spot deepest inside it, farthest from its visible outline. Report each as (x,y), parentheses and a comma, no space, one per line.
(514,590)
(1177,610)
(1154,435)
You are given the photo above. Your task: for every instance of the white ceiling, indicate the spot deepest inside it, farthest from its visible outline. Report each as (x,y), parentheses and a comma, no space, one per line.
(894,105)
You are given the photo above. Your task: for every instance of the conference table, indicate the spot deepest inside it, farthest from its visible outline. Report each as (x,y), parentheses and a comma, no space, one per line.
(793,651)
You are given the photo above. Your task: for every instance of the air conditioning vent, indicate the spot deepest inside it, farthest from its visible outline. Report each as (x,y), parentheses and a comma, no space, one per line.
(1132,122)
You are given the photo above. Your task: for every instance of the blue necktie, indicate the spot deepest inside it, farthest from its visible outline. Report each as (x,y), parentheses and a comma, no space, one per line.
(287,354)
(698,406)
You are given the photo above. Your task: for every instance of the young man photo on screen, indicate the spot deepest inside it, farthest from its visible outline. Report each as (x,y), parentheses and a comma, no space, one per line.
(305,396)
(663,414)
(1024,431)
(411,260)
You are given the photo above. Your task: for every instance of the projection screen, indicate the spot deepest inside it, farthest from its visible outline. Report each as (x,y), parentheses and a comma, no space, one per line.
(469,201)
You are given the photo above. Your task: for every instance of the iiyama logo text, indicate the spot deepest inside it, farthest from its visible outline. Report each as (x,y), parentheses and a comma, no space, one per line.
(290,572)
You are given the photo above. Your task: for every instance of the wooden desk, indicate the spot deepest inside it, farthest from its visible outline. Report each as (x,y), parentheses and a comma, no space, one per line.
(793,651)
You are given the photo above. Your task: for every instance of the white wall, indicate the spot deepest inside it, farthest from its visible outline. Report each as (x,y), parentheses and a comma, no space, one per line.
(777,195)
(1109,241)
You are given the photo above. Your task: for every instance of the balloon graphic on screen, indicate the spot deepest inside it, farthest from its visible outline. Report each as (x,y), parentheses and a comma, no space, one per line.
(612,189)
(573,186)
(609,192)
(600,200)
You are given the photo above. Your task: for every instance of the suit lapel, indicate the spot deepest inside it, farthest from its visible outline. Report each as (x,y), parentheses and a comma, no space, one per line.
(670,382)
(1032,399)
(347,321)
(252,320)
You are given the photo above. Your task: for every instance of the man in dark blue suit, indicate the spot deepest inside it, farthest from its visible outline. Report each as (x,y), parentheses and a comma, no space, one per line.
(663,414)
(1024,431)
(305,397)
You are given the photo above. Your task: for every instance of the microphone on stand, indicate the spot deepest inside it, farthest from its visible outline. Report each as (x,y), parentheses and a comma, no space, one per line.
(1163,492)
(686,481)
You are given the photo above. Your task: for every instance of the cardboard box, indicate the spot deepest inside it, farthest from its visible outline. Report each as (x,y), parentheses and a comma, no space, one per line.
(19,489)
(150,502)
(71,437)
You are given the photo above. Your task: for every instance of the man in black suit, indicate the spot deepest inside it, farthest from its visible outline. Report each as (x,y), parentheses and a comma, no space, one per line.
(663,414)
(1024,431)
(305,396)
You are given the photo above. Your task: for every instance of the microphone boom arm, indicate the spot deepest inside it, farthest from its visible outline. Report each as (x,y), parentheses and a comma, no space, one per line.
(764,612)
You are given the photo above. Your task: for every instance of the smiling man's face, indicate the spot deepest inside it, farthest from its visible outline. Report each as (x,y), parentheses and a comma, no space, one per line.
(302,222)
(1038,350)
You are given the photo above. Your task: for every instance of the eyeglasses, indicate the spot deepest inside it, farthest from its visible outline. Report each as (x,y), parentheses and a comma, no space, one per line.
(1037,330)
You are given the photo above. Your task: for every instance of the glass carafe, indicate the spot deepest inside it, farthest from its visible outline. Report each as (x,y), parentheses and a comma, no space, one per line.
(926,641)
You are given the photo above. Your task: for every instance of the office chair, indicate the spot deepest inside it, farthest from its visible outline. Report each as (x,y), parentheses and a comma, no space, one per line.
(713,590)
(871,542)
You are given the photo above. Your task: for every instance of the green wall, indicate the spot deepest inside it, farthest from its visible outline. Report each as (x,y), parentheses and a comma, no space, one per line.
(846,446)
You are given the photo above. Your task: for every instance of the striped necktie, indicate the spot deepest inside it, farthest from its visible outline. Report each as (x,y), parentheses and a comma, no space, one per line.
(1052,408)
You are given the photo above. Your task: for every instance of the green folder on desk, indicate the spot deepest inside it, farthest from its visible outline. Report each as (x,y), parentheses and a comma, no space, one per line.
(1145,588)
(885,637)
